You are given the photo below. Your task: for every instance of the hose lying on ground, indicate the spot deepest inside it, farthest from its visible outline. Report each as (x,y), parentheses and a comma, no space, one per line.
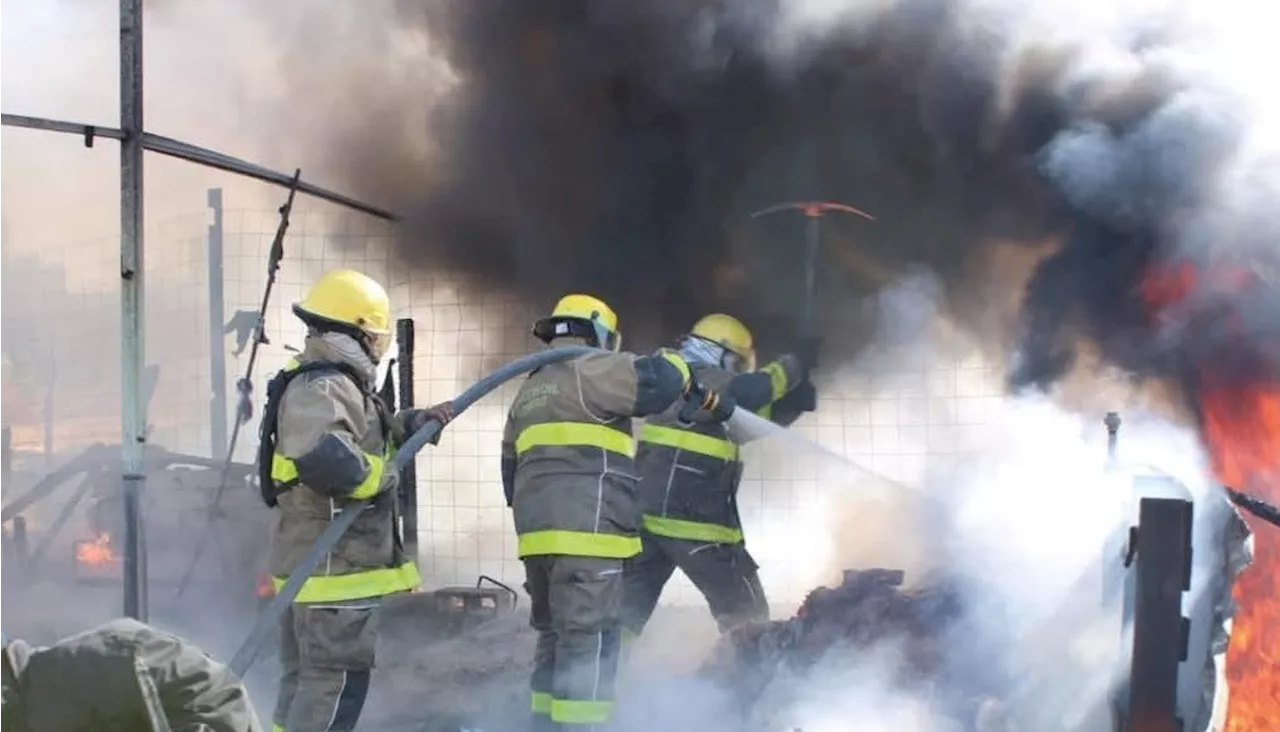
(266,623)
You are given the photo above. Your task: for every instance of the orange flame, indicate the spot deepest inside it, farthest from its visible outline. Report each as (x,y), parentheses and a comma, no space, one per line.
(1240,426)
(95,552)
(264,587)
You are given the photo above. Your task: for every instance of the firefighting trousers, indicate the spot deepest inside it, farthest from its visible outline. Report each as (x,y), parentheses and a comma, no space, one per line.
(576,609)
(725,574)
(327,655)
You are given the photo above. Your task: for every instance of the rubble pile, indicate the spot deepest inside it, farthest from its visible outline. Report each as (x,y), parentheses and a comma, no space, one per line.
(479,679)
(766,665)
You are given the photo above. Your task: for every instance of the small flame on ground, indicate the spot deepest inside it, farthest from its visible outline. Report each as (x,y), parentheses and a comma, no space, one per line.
(1240,426)
(98,551)
(265,587)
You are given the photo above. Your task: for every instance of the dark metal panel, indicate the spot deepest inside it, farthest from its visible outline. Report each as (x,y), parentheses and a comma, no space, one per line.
(406,400)
(1163,574)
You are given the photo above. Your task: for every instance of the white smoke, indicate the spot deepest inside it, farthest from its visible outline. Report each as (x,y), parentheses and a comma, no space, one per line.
(1025,515)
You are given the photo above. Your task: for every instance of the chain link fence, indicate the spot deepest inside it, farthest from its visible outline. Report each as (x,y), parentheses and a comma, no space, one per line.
(806,498)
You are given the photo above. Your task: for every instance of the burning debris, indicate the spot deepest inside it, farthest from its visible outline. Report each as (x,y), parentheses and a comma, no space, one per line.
(836,628)
(1238,407)
(96,552)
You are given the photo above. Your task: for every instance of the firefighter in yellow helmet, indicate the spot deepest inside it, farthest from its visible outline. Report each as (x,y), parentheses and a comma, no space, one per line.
(122,676)
(689,476)
(327,439)
(569,477)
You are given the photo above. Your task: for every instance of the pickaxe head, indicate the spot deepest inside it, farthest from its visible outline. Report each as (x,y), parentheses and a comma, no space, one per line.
(813,209)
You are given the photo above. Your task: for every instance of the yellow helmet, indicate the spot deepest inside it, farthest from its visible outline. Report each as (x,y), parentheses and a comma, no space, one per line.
(730,334)
(345,297)
(581,316)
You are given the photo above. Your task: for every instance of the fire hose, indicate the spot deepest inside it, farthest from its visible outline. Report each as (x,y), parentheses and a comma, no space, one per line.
(270,616)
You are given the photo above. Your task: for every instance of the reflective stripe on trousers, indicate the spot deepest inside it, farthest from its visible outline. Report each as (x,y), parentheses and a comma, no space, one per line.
(692,530)
(356,585)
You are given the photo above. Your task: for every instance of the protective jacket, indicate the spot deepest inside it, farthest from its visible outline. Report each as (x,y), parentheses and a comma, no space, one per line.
(568,451)
(690,472)
(334,441)
(121,677)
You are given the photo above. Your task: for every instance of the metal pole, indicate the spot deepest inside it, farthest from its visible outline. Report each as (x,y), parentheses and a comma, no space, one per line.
(1112,422)
(132,346)
(409,477)
(217,341)
(49,385)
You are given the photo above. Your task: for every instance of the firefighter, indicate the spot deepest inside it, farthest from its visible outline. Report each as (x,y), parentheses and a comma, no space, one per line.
(327,440)
(689,476)
(569,478)
(122,676)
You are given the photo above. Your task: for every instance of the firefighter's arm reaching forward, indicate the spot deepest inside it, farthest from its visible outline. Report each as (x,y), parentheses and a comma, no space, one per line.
(409,421)
(781,390)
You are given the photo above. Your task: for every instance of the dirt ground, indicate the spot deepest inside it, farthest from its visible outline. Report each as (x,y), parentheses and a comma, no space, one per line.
(421,684)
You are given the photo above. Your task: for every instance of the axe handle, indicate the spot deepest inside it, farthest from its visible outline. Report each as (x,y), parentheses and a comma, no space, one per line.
(810,272)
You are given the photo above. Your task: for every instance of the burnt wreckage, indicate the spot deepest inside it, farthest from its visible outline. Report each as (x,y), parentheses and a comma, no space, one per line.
(834,625)
(1166,661)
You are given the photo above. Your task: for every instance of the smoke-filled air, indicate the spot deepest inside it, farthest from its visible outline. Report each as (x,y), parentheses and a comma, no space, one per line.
(1094,184)
(1087,191)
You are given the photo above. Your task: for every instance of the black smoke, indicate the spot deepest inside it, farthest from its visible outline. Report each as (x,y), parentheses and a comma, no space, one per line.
(619,147)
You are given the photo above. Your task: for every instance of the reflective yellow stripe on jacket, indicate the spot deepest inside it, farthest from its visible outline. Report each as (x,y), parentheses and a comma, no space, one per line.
(575,434)
(285,472)
(694,442)
(356,585)
(576,543)
(778,382)
(689,441)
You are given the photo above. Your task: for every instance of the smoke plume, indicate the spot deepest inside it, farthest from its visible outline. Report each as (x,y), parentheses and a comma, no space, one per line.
(621,147)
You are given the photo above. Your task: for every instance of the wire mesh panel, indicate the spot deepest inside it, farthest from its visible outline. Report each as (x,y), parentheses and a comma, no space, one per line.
(878,426)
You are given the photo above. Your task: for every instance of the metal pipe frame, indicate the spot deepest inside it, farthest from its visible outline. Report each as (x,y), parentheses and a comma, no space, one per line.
(405,399)
(134,140)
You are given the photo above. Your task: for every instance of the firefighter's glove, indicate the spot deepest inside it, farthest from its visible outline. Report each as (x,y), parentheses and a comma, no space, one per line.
(704,405)
(804,398)
(413,420)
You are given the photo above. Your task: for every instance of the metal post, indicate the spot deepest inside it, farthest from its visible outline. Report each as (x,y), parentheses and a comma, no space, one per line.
(49,385)
(1112,422)
(217,342)
(6,456)
(1160,632)
(409,478)
(132,346)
